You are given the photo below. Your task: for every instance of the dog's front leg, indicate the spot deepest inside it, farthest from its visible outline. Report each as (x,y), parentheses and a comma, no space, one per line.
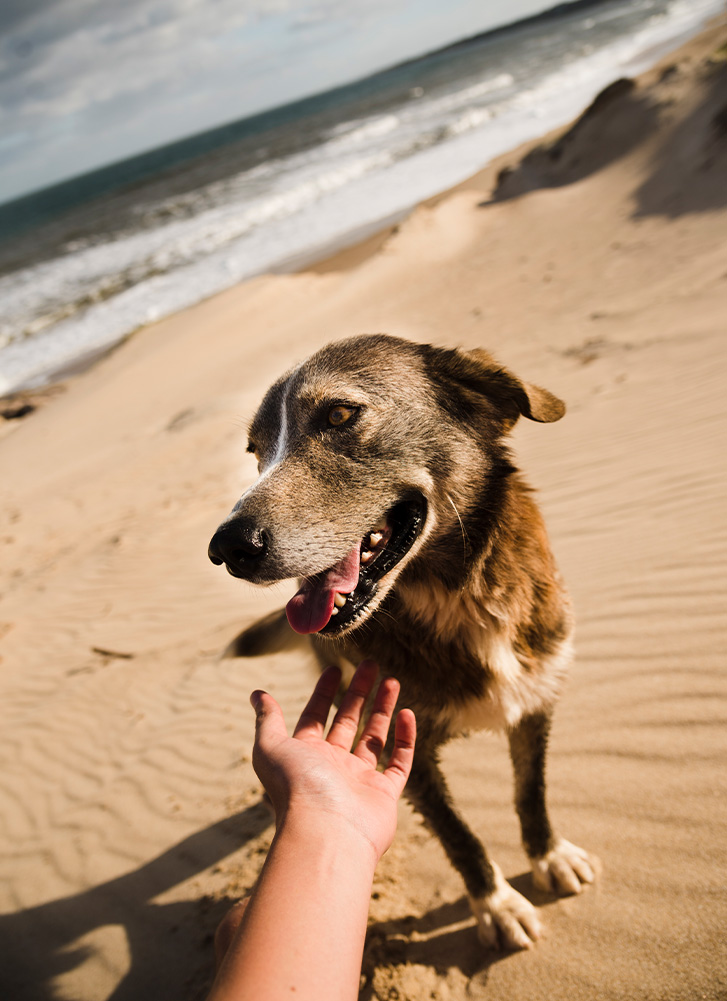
(558,866)
(505,919)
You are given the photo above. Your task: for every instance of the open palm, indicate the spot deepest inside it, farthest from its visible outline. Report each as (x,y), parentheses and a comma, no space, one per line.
(327,774)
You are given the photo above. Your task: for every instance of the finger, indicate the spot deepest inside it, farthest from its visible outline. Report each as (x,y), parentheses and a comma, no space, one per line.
(345,724)
(269,722)
(400,762)
(314,716)
(375,732)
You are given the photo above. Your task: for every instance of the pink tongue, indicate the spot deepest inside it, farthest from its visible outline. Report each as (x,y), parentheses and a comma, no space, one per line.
(311,608)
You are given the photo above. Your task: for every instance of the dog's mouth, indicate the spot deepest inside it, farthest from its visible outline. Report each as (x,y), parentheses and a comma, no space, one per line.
(336,599)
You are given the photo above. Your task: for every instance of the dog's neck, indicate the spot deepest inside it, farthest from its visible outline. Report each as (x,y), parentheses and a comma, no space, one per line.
(466,588)
(449,615)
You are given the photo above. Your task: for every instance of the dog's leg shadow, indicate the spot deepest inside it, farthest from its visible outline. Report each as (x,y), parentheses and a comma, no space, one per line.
(444,940)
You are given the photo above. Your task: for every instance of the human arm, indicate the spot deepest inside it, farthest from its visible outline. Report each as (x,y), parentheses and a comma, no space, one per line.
(304,927)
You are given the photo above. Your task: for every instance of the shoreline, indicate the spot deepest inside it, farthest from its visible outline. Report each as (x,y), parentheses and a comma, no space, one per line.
(349,249)
(343,254)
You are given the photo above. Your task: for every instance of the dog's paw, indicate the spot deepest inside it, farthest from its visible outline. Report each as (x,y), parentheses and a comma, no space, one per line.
(563,870)
(505,919)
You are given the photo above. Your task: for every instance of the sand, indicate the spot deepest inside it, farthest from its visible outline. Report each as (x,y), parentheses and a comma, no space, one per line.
(131,816)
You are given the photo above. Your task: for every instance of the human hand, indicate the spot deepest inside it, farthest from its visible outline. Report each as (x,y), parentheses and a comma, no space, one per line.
(318,777)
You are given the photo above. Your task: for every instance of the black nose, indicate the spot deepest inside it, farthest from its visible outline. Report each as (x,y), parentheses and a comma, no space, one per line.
(239,543)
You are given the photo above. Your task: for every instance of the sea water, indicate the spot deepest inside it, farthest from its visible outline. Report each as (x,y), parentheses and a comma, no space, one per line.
(87,262)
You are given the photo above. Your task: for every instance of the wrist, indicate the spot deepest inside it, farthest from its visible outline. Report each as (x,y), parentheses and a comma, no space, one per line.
(317,831)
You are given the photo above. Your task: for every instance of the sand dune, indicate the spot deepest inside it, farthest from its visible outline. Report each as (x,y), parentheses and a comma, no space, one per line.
(594,265)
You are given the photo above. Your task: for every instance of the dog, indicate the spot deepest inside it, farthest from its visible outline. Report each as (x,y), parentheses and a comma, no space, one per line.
(386,486)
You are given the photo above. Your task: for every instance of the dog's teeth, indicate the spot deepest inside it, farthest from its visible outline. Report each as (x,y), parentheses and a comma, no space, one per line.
(375,538)
(339,600)
(366,555)
(334,610)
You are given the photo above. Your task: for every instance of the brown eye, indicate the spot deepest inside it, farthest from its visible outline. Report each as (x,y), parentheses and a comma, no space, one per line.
(339,414)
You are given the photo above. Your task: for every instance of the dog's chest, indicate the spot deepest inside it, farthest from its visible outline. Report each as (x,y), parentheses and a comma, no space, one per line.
(475,646)
(512,689)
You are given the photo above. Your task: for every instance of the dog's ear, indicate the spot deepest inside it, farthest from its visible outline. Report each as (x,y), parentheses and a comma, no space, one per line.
(506,390)
(478,372)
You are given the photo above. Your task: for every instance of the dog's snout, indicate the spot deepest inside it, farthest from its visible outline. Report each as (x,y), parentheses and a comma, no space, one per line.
(239,543)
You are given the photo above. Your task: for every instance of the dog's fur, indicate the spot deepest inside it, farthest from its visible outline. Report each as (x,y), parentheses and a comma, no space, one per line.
(473,620)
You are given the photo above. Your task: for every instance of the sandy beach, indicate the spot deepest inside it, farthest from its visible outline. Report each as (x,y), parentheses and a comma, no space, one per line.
(594,263)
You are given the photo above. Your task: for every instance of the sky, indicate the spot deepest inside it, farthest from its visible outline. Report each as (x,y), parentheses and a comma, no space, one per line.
(84,83)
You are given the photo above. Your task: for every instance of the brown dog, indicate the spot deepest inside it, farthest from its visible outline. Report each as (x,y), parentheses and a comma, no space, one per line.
(385,484)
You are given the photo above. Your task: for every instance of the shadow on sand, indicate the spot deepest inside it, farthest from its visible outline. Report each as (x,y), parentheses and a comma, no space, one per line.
(443,939)
(170,945)
(686,169)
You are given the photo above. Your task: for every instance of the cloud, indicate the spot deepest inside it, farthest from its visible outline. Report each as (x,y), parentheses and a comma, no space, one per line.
(91,82)
(76,70)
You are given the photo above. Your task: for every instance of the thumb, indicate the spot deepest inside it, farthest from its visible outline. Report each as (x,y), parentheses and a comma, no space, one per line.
(269,723)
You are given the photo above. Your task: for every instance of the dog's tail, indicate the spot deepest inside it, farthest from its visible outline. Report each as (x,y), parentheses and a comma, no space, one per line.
(271,634)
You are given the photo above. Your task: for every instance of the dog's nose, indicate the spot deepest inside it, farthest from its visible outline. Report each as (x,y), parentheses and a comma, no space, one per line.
(238,543)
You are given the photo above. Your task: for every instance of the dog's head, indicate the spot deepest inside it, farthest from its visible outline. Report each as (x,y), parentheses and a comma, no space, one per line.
(369,451)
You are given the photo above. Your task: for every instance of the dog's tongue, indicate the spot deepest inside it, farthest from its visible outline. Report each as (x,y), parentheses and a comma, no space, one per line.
(311,608)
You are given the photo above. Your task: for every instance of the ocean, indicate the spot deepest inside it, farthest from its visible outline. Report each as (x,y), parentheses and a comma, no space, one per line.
(87,262)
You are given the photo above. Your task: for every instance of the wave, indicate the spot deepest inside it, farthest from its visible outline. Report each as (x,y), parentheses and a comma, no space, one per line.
(48,293)
(475,118)
(467,95)
(361,130)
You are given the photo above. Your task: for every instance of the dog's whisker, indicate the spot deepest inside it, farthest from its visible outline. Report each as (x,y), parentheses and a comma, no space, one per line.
(384,613)
(465,539)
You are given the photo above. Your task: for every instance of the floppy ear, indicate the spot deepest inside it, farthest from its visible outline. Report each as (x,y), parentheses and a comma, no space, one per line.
(478,372)
(505,389)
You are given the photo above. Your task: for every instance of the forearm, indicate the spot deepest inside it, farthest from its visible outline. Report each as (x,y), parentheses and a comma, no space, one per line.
(304,928)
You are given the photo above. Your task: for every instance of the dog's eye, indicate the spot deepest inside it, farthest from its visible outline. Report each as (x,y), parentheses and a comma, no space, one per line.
(340,414)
